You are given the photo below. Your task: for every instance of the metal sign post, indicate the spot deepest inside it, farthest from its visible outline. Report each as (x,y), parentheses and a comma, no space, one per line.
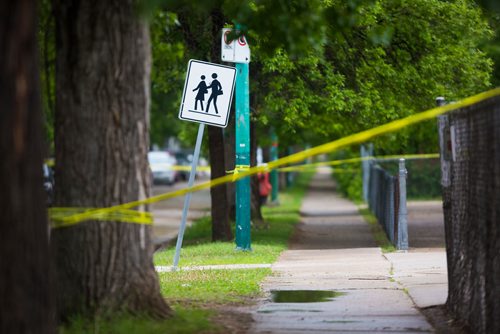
(216,81)
(187,199)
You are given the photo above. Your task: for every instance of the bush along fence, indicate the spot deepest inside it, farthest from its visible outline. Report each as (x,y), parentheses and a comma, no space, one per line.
(386,197)
(470,166)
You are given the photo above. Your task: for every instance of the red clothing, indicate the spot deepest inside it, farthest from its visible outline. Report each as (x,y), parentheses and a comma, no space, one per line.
(264,185)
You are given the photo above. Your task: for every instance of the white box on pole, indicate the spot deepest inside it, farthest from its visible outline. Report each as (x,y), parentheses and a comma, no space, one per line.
(235,51)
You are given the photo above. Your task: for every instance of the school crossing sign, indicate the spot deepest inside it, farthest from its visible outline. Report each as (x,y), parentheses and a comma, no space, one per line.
(208,92)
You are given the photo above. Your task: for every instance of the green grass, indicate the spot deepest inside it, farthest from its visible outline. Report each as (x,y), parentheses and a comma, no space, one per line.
(184,321)
(377,231)
(213,286)
(267,244)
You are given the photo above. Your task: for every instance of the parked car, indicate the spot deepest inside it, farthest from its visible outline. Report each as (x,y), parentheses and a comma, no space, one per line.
(48,184)
(184,159)
(161,164)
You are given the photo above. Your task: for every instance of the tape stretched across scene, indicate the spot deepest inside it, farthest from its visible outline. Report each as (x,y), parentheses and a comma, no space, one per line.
(332,146)
(124,216)
(356,160)
(323,163)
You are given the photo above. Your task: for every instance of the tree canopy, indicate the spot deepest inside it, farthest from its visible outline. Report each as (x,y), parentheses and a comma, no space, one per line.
(395,59)
(320,69)
(360,64)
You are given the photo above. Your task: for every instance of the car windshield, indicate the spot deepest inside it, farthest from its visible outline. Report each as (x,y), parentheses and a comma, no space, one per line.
(46,171)
(159,157)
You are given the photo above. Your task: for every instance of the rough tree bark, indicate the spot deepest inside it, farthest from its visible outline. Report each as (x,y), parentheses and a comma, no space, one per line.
(230,156)
(230,160)
(25,293)
(221,227)
(102,128)
(221,230)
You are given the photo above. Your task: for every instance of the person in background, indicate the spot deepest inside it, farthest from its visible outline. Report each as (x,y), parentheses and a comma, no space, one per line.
(265,187)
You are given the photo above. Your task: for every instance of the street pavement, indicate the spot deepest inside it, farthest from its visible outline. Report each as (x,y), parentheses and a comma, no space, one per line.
(168,214)
(333,249)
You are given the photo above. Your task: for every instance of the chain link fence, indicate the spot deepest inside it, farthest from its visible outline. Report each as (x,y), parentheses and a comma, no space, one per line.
(386,197)
(470,166)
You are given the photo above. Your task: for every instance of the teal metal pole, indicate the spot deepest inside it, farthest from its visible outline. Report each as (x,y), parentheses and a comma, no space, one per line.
(242,157)
(274,173)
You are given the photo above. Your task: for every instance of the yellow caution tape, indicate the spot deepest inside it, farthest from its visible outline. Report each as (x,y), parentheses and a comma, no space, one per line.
(57,216)
(307,168)
(301,168)
(359,159)
(293,158)
(188,168)
(406,157)
(49,162)
(378,158)
(238,169)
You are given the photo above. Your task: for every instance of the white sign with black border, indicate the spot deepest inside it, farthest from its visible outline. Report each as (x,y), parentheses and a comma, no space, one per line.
(208,93)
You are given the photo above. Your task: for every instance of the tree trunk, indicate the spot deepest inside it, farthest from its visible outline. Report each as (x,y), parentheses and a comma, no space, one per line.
(197,46)
(102,128)
(25,292)
(221,230)
(230,157)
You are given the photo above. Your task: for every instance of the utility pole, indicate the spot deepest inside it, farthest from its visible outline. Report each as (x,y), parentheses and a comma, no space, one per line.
(238,52)
(242,156)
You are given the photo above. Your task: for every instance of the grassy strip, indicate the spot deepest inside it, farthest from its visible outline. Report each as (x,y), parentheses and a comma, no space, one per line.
(212,286)
(192,293)
(267,244)
(184,321)
(377,231)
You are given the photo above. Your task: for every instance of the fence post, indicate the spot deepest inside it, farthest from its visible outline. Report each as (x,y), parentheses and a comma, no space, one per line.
(402,243)
(390,206)
(444,145)
(366,152)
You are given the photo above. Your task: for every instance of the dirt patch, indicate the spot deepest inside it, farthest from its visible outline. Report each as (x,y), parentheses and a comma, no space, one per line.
(443,322)
(235,319)
(228,317)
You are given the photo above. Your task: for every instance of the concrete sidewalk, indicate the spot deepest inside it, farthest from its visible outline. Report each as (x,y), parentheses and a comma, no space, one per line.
(333,249)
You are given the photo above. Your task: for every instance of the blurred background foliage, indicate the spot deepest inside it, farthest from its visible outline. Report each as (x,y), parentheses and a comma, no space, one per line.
(320,69)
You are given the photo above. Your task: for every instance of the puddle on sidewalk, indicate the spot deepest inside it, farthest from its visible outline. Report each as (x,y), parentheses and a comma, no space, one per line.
(304,296)
(289,310)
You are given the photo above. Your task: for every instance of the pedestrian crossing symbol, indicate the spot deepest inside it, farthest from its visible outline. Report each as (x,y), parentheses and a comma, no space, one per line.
(208,92)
